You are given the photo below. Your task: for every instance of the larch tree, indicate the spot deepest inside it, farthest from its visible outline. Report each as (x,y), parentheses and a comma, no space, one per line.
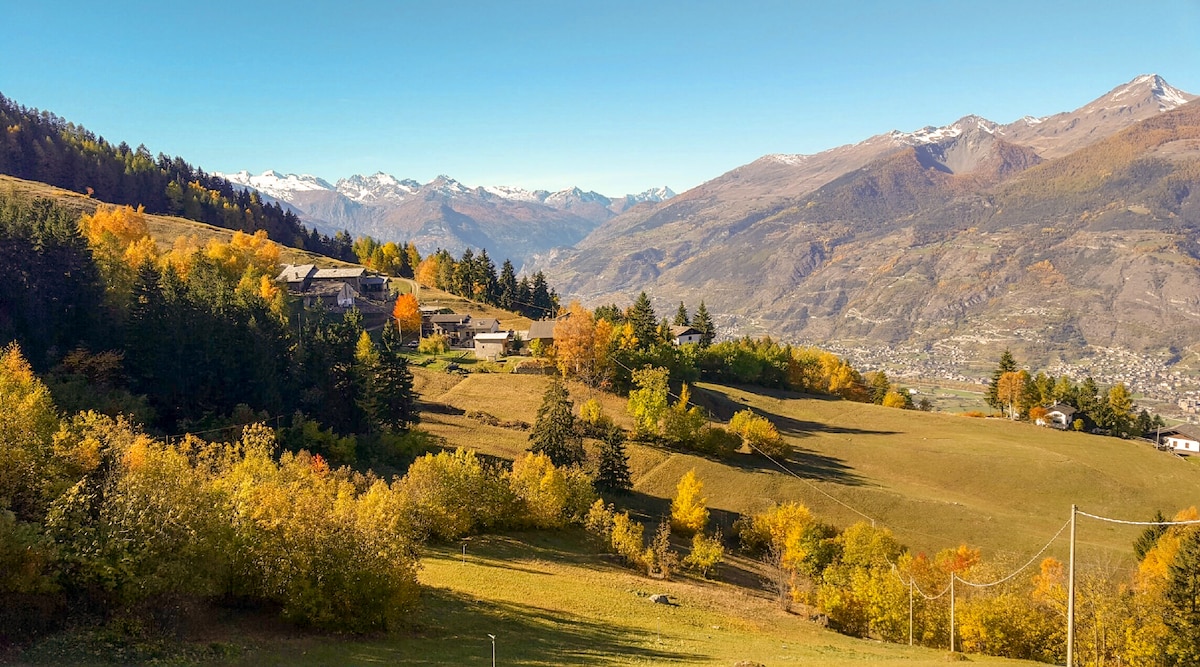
(575,343)
(1010,392)
(689,508)
(648,402)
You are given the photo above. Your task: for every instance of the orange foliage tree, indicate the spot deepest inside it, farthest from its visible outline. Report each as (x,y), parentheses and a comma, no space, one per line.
(407,312)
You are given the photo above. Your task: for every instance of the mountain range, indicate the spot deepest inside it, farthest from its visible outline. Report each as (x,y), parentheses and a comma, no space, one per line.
(1044,234)
(443,213)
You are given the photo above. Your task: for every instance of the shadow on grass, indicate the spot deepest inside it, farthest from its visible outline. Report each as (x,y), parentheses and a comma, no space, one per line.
(526,634)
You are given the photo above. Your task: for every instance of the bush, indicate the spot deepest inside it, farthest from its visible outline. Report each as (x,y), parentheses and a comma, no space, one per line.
(759,433)
(707,553)
(452,494)
(716,441)
(434,344)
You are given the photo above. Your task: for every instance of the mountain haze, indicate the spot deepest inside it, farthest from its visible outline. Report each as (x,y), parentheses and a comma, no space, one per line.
(1044,234)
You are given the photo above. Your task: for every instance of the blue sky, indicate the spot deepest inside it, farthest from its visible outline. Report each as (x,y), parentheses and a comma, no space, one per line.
(611,96)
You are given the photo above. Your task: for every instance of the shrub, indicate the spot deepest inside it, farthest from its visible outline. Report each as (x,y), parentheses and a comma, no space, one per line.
(759,433)
(716,441)
(433,344)
(707,553)
(452,494)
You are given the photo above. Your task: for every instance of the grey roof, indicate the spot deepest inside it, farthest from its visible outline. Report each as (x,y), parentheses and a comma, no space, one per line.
(542,329)
(1189,431)
(1065,409)
(294,273)
(680,330)
(335,274)
(450,318)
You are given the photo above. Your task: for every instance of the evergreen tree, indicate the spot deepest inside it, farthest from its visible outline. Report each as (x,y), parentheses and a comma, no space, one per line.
(1149,537)
(645,322)
(612,473)
(554,433)
(394,396)
(704,324)
(506,286)
(485,277)
(1007,365)
(523,303)
(611,313)
(681,316)
(1182,609)
(542,302)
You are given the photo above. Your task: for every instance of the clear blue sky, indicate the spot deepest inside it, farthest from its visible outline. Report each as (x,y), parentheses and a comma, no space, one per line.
(613,96)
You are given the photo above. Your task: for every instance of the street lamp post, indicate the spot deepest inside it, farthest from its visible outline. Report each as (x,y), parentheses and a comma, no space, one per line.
(493,638)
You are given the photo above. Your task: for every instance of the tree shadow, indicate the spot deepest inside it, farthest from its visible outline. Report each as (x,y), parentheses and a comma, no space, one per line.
(456,628)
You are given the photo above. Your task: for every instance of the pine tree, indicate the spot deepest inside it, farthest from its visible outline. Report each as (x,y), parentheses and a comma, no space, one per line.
(681,316)
(612,473)
(1182,609)
(542,302)
(1007,365)
(554,433)
(704,324)
(393,384)
(1149,537)
(506,286)
(645,322)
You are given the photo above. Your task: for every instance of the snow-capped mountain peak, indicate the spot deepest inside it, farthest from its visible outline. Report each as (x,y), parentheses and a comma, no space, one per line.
(275,184)
(1167,96)
(376,188)
(933,135)
(653,195)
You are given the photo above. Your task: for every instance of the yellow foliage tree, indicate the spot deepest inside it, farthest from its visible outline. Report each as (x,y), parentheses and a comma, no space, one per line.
(689,509)
(759,432)
(120,241)
(28,422)
(541,488)
(575,344)
(894,399)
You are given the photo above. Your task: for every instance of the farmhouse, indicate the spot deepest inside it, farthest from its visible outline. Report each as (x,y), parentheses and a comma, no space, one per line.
(450,325)
(684,334)
(339,290)
(1059,415)
(542,330)
(1184,438)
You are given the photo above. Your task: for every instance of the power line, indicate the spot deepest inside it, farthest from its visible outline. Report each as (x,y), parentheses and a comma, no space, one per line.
(1138,523)
(1022,568)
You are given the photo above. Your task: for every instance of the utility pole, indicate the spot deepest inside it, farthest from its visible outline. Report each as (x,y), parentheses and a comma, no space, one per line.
(1071,595)
(910,610)
(493,638)
(952,578)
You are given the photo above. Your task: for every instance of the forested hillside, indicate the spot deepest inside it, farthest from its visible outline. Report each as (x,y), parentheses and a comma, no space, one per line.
(39,146)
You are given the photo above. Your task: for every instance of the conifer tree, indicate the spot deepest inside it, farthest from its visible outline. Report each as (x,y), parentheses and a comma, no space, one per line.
(703,323)
(612,473)
(1182,608)
(393,385)
(506,286)
(681,316)
(554,433)
(1007,365)
(645,322)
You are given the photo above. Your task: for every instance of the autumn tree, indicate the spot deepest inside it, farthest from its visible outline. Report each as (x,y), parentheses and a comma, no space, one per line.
(575,344)
(648,402)
(28,422)
(689,509)
(1007,365)
(683,422)
(555,433)
(407,313)
(759,433)
(1010,392)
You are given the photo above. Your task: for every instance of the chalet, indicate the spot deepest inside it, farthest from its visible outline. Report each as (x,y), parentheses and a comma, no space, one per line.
(684,334)
(297,276)
(482,325)
(1184,438)
(450,325)
(493,345)
(1058,415)
(365,283)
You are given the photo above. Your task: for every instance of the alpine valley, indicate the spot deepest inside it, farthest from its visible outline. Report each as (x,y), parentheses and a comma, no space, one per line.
(1051,236)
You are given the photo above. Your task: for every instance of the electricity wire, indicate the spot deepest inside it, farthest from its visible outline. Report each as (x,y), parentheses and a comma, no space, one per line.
(1138,523)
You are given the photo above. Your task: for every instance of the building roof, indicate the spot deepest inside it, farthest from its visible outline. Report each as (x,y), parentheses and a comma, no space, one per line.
(497,337)
(339,274)
(681,330)
(1188,431)
(294,273)
(449,318)
(542,329)
(483,324)
(1065,409)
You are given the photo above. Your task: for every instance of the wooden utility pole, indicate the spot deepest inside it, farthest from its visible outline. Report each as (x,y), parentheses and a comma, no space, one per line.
(952,578)
(1071,595)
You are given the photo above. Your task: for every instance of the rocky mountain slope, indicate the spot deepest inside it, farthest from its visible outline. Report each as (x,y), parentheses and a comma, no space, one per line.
(1043,234)
(444,213)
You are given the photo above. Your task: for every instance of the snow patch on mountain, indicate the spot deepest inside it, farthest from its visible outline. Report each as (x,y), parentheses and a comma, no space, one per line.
(933,135)
(790,159)
(1167,96)
(275,184)
(376,188)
